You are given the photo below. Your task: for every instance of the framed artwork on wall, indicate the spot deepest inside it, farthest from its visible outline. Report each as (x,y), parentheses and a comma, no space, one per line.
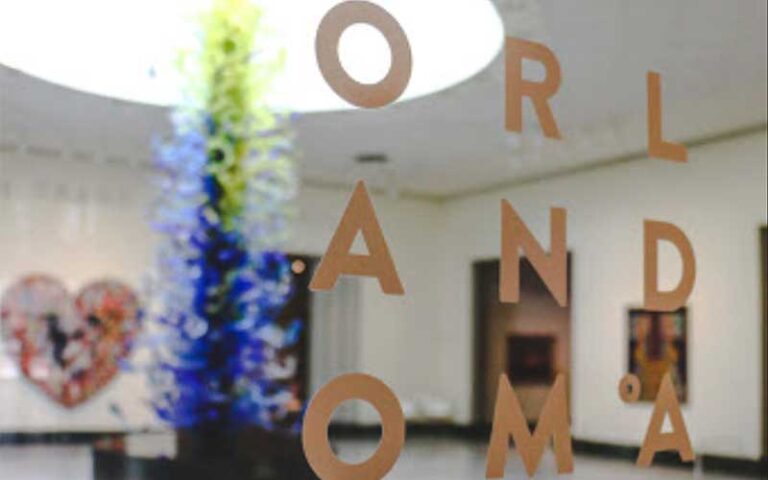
(658,343)
(531,359)
(69,346)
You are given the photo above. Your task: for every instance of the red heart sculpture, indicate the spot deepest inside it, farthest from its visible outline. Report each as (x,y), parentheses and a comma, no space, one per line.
(69,348)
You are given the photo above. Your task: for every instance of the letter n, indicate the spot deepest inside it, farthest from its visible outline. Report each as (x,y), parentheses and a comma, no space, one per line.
(553,268)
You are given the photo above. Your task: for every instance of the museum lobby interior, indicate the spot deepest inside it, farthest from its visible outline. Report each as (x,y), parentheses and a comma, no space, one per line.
(300,239)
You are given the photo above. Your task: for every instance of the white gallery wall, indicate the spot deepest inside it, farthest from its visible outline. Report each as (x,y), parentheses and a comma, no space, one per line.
(81,221)
(77,222)
(719,200)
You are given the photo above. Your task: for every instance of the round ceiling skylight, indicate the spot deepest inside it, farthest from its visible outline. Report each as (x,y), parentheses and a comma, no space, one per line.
(126,49)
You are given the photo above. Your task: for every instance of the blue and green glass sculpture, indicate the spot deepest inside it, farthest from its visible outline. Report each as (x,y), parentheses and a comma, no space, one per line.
(226,182)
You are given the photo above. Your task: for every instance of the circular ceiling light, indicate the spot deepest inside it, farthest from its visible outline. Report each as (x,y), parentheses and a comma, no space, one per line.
(126,49)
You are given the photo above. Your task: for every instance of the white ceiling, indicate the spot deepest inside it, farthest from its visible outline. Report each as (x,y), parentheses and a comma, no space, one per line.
(711,53)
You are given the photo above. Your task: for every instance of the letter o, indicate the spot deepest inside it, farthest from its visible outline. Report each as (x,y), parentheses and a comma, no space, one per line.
(630,388)
(333,25)
(314,436)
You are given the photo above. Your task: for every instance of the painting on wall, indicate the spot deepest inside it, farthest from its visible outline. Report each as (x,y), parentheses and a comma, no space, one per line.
(69,347)
(531,359)
(658,343)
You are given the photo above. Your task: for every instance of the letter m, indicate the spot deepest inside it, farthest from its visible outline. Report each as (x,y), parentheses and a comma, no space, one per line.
(508,421)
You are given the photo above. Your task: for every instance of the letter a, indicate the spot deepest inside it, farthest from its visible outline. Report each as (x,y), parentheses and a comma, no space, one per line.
(655,441)
(508,420)
(666,301)
(358,217)
(553,268)
(516,50)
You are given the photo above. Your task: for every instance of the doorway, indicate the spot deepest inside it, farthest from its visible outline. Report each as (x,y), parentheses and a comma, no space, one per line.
(329,338)
(764,293)
(298,307)
(529,341)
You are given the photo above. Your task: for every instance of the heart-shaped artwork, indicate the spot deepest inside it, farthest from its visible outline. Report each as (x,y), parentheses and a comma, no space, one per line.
(70,348)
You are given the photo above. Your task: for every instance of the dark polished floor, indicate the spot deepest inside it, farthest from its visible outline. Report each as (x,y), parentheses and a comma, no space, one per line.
(421,459)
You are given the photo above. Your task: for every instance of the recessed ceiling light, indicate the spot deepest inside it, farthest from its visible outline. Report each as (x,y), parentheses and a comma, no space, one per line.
(298,266)
(372,158)
(126,49)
